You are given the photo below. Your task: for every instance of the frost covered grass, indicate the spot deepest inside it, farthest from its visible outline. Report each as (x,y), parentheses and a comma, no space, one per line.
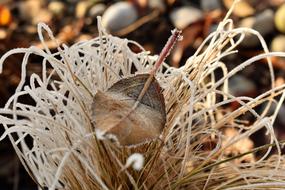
(193,152)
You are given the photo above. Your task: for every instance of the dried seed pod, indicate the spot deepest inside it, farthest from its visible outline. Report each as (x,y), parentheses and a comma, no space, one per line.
(133,109)
(114,114)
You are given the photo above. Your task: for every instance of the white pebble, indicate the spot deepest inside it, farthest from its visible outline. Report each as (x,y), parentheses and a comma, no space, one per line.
(184,16)
(119,16)
(56,7)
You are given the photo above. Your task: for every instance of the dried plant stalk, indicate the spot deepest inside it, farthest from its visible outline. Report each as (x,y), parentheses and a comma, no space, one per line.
(68,153)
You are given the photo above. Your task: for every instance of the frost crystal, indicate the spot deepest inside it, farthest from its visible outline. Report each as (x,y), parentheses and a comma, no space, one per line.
(136,160)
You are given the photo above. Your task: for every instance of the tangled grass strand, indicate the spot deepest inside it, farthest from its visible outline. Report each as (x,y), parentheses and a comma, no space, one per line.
(59,146)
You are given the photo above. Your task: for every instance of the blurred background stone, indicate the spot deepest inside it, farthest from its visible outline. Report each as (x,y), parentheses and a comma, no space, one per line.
(119,15)
(280,18)
(96,10)
(184,16)
(278,43)
(242,9)
(262,22)
(211,5)
(57,8)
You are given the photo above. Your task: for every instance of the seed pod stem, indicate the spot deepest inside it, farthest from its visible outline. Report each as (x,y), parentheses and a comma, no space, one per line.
(176,35)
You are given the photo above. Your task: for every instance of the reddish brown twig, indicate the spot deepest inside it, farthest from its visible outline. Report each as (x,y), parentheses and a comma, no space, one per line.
(176,35)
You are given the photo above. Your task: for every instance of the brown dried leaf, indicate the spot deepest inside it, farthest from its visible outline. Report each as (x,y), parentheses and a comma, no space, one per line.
(114,114)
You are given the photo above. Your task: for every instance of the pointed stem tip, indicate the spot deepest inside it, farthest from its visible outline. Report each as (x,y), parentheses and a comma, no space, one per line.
(176,36)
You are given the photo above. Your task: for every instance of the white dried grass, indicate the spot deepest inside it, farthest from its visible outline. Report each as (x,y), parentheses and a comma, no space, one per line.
(67,154)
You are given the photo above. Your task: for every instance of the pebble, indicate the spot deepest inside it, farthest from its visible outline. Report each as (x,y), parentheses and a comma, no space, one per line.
(184,16)
(97,10)
(33,12)
(258,23)
(242,8)
(281,115)
(29,9)
(265,22)
(30,29)
(278,43)
(119,16)
(56,8)
(239,85)
(83,37)
(157,4)
(43,16)
(279,18)
(82,8)
(276,2)
(213,28)
(207,5)
(3,34)
(272,109)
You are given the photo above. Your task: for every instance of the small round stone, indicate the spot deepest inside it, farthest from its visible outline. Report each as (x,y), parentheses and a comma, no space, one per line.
(119,16)
(56,8)
(258,23)
(82,8)
(184,16)
(280,18)
(207,5)
(278,43)
(97,10)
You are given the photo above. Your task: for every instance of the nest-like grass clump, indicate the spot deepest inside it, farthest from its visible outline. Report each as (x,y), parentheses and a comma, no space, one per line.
(57,143)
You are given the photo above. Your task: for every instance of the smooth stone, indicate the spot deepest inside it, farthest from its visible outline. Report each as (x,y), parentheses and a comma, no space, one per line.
(157,4)
(33,12)
(279,18)
(209,5)
(82,8)
(97,10)
(184,16)
(278,43)
(43,16)
(258,23)
(264,22)
(272,109)
(3,34)
(213,28)
(242,8)
(83,37)
(281,114)
(239,85)
(56,8)
(30,29)
(276,3)
(247,22)
(119,16)
(29,9)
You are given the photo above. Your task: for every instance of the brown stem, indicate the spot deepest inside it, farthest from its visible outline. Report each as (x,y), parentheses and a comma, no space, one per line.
(176,35)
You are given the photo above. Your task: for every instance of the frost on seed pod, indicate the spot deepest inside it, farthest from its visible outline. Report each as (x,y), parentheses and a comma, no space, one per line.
(113,110)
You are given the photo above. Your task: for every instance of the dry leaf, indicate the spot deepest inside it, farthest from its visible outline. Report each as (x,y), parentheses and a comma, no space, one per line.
(114,114)
(133,109)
